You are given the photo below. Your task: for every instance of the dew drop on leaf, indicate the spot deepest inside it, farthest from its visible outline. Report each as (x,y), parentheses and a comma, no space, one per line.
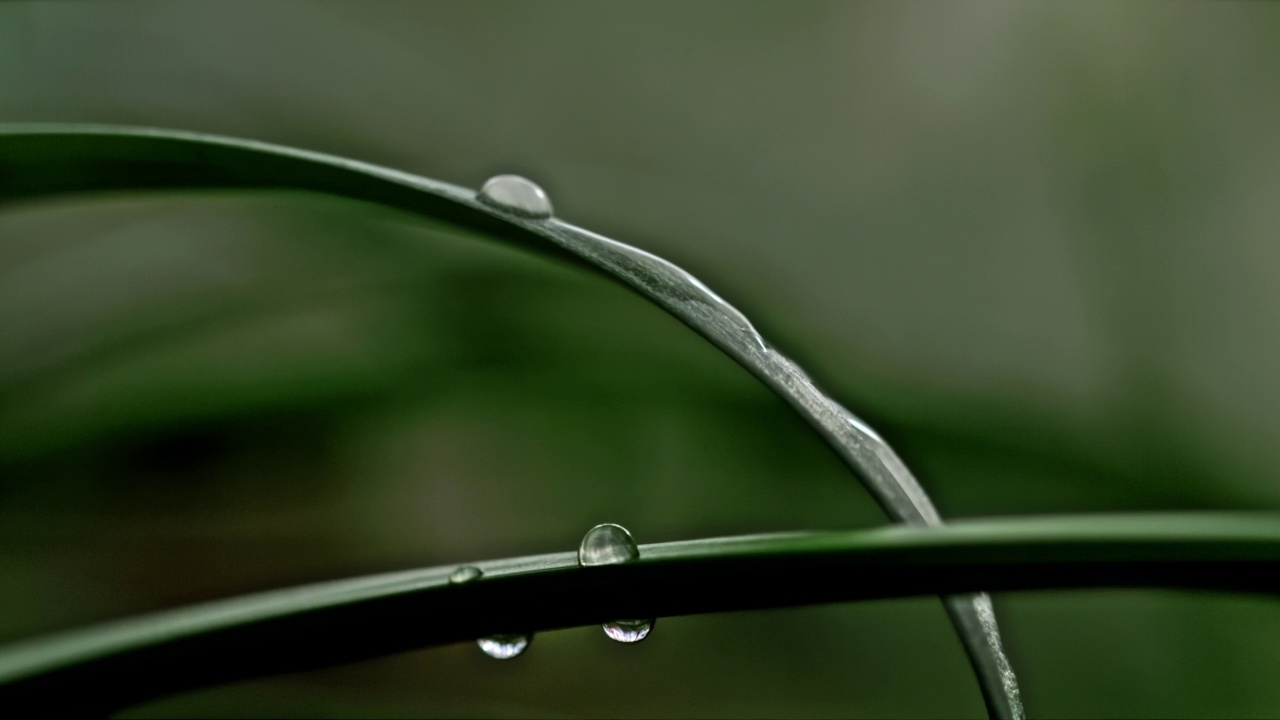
(628,631)
(503,647)
(607,544)
(465,574)
(516,195)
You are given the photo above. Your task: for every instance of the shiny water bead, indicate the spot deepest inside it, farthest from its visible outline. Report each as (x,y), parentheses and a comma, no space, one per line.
(628,631)
(465,574)
(504,647)
(607,544)
(516,195)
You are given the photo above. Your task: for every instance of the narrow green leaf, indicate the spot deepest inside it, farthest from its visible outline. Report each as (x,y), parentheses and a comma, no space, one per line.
(42,160)
(111,666)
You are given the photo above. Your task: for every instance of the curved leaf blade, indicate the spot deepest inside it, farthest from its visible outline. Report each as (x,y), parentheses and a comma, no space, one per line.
(42,160)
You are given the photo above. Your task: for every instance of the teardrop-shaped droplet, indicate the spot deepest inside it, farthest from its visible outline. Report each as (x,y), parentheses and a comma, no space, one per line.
(516,195)
(465,574)
(628,631)
(503,647)
(607,544)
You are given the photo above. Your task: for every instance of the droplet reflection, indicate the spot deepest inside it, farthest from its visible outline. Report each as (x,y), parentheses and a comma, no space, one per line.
(628,631)
(503,647)
(465,574)
(516,195)
(607,544)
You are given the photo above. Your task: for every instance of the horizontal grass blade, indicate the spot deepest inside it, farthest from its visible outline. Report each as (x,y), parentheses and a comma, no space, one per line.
(111,666)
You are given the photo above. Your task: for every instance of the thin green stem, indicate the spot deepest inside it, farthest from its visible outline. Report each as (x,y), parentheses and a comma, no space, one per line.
(44,160)
(104,668)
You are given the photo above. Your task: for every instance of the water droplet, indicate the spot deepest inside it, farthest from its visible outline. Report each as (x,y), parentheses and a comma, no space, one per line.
(516,195)
(465,574)
(607,544)
(503,647)
(628,631)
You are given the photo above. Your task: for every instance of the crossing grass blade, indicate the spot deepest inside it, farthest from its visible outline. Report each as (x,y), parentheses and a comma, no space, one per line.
(48,160)
(105,668)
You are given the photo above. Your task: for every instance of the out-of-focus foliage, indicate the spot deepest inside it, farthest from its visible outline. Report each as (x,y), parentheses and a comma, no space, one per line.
(1033,243)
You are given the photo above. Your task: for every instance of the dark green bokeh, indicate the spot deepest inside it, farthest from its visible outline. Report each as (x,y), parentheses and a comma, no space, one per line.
(1033,243)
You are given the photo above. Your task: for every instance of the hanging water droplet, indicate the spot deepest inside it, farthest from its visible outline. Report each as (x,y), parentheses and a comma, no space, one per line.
(628,631)
(516,195)
(465,574)
(503,647)
(607,544)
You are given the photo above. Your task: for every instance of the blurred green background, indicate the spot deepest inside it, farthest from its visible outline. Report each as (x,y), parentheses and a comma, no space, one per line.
(1033,243)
